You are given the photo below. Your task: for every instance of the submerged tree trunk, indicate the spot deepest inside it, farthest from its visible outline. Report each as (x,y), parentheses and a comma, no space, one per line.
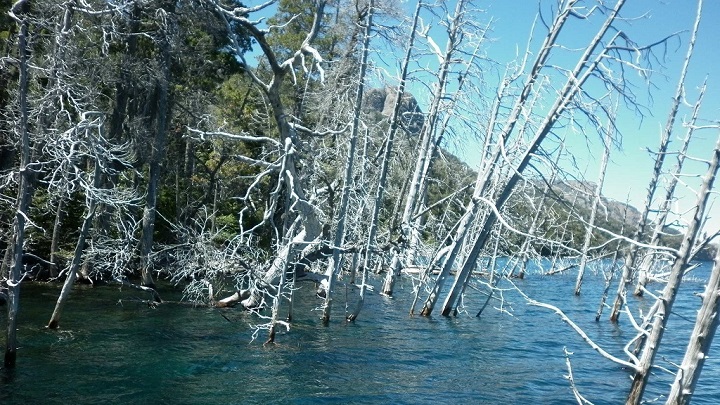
(631,258)
(665,303)
(664,211)
(18,13)
(584,69)
(79,248)
(335,263)
(158,154)
(593,209)
(425,153)
(610,275)
(701,339)
(385,166)
(483,179)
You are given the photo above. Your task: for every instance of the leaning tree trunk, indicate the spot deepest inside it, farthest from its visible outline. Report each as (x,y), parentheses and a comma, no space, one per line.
(345,198)
(79,248)
(664,304)
(427,141)
(631,258)
(539,209)
(593,209)
(664,211)
(482,181)
(610,275)
(18,12)
(309,228)
(701,339)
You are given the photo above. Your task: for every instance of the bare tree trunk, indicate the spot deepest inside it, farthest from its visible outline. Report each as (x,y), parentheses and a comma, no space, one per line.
(593,209)
(18,13)
(385,165)
(427,141)
(495,277)
(665,303)
(309,228)
(483,179)
(646,264)
(335,264)
(701,339)
(79,248)
(631,257)
(527,243)
(59,215)
(158,154)
(613,267)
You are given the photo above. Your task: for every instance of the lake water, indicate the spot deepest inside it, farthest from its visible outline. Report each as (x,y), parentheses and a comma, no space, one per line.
(113,350)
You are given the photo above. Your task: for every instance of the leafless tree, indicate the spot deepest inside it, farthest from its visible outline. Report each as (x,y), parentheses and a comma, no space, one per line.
(701,338)
(335,263)
(19,13)
(395,118)
(651,337)
(631,257)
(462,32)
(647,262)
(606,47)
(607,142)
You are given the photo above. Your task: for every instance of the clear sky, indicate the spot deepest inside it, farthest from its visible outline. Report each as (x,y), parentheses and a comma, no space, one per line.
(631,166)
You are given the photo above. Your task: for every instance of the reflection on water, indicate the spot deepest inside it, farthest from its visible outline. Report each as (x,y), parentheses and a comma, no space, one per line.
(114,352)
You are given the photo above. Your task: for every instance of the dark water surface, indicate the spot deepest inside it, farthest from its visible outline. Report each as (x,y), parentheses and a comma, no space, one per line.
(122,352)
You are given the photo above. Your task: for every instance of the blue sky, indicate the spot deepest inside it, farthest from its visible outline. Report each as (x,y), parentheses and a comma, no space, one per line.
(631,165)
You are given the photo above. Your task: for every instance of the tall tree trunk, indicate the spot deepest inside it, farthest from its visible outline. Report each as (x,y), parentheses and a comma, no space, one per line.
(593,208)
(631,258)
(335,263)
(701,339)
(309,228)
(427,142)
(79,247)
(158,155)
(59,215)
(527,243)
(653,338)
(664,211)
(483,179)
(385,165)
(19,14)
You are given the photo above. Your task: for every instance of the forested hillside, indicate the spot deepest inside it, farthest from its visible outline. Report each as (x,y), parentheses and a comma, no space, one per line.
(235,148)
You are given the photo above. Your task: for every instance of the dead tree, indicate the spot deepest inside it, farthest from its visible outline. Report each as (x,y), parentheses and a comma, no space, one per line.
(597,195)
(663,307)
(598,50)
(305,228)
(456,28)
(335,265)
(447,259)
(631,257)
(19,13)
(370,246)
(701,339)
(664,210)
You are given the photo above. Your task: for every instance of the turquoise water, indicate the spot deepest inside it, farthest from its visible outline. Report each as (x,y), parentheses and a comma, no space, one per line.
(112,349)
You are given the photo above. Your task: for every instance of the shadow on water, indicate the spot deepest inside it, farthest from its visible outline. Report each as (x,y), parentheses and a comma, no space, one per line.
(117,351)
